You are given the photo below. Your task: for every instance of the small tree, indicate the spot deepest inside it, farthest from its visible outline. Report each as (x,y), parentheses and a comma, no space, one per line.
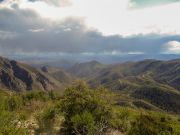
(87,111)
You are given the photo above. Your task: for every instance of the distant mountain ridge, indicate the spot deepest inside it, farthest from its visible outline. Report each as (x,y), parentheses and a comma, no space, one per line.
(67,61)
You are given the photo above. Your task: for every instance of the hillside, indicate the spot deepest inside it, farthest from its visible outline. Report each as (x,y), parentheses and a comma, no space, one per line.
(21,77)
(59,74)
(87,69)
(154,82)
(149,84)
(165,72)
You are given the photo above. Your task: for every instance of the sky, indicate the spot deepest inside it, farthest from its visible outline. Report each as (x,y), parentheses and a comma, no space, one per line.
(89,27)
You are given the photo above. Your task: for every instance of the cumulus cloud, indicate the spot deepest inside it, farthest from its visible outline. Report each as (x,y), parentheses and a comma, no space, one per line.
(172,47)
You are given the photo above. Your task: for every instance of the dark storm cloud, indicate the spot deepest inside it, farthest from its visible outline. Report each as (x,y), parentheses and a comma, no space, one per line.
(26,32)
(19,20)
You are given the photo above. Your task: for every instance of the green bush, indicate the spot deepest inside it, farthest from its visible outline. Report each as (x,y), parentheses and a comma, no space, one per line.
(8,125)
(13,102)
(150,125)
(121,120)
(45,120)
(35,95)
(84,108)
(9,104)
(84,123)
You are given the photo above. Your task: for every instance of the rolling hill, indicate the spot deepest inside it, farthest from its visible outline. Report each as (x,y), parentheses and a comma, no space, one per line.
(148,82)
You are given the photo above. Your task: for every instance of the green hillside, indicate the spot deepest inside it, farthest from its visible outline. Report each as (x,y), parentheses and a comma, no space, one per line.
(155,82)
(87,69)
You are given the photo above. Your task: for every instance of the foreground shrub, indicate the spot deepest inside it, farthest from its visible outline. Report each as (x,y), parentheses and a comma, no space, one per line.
(8,126)
(84,123)
(45,120)
(121,120)
(35,95)
(150,125)
(13,102)
(87,111)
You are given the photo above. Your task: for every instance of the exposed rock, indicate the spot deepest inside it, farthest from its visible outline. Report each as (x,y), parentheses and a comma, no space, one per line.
(22,74)
(7,80)
(45,69)
(18,76)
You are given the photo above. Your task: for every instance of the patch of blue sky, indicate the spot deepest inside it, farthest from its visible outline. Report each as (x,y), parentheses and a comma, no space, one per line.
(150,3)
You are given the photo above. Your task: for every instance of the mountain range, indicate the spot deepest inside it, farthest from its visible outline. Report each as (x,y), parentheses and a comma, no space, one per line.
(150,84)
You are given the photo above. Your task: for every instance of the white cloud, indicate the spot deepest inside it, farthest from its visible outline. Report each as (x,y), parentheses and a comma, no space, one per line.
(135,52)
(172,47)
(67,29)
(112,16)
(36,30)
